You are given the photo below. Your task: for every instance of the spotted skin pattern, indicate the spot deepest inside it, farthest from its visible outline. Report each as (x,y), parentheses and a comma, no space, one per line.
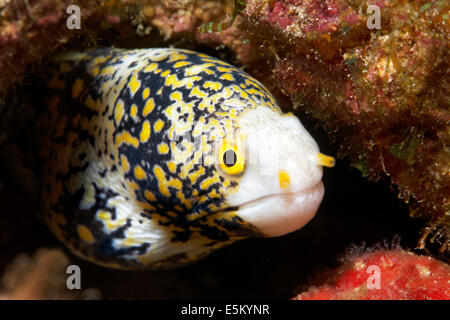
(123,184)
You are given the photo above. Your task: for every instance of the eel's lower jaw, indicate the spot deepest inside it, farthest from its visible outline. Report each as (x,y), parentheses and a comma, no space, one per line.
(279,214)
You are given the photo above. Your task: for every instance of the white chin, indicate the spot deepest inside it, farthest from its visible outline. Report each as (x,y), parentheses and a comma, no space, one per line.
(280,214)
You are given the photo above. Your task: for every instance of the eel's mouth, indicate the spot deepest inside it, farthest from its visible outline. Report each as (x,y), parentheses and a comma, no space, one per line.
(282,213)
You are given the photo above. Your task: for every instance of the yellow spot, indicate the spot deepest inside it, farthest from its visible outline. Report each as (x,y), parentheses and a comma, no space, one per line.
(283,178)
(240,91)
(145,132)
(139,173)
(76,88)
(150,67)
(213,207)
(175,183)
(208,182)
(126,137)
(171,213)
(180,64)
(90,103)
(172,166)
(198,93)
(214,194)
(165,73)
(133,111)
(183,200)
(222,69)
(114,224)
(103,215)
(88,199)
(145,93)
(149,195)
(118,111)
(176,56)
(216,86)
(159,91)
(325,160)
(256,92)
(134,84)
(124,162)
(194,176)
(149,106)
(159,124)
(257,85)
(172,80)
(163,148)
(131,241)
(132,185)
(108,70)
(198,68)
(227,76)
(85,234)
(162,181)
(95,71)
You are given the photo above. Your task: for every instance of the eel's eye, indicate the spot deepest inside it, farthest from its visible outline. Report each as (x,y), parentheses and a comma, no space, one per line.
(231,159)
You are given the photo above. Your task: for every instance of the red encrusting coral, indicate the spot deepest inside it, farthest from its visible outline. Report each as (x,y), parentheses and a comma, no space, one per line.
(402,276)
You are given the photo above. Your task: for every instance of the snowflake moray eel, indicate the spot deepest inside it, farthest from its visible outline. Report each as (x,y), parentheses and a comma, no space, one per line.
(153,158)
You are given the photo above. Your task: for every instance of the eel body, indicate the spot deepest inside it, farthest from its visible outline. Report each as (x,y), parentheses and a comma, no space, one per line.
(153,158)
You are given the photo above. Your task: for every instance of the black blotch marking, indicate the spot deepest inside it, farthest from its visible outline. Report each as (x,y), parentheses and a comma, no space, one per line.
(103,173)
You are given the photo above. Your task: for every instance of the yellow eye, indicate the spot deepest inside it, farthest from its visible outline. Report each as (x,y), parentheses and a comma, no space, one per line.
(231,159)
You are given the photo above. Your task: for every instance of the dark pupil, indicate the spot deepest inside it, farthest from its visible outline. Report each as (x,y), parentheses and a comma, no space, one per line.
(229,158)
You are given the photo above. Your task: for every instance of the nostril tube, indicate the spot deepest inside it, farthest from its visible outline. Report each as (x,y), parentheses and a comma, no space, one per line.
(283,178)
(325,160)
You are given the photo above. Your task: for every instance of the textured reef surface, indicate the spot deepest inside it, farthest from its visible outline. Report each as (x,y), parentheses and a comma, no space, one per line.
(384,275)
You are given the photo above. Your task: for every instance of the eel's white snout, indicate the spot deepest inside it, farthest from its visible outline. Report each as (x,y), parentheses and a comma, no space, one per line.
(281,188)
(280,214)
